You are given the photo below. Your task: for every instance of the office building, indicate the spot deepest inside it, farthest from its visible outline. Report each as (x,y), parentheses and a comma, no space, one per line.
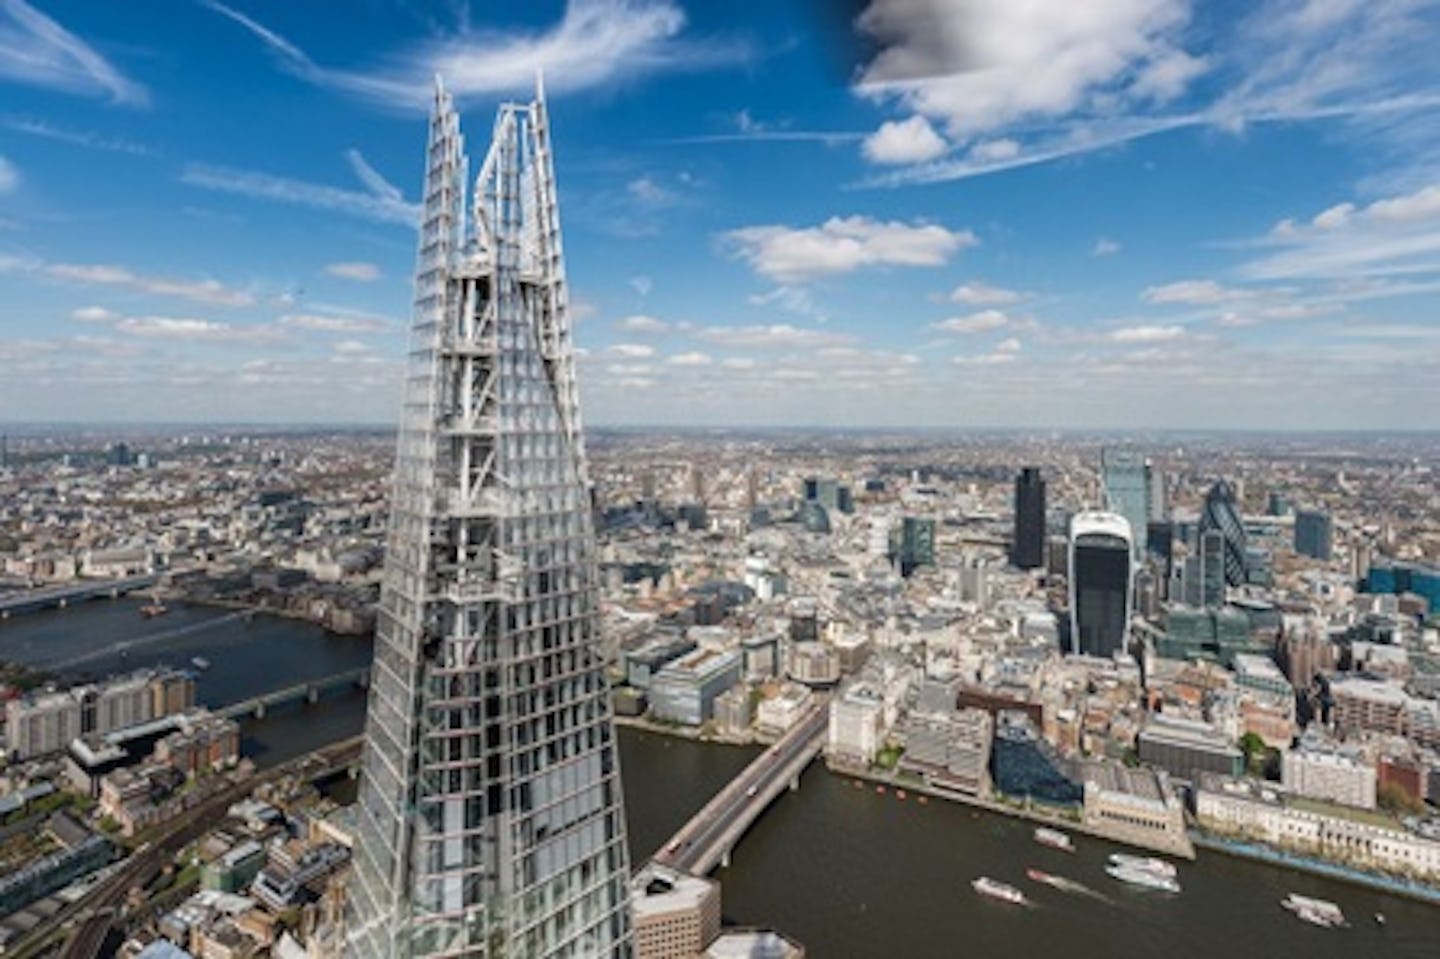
(1100,568)
(490,809)
(1188,748)
(1395,577)
(857,725)
(1318,768)
(1221,513)
(1027,550)
(685,690)
(1124,479)
(913,545)
(676,914)
(47,722)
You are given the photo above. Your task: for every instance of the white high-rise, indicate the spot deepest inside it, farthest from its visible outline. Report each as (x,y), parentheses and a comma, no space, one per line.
(490,813)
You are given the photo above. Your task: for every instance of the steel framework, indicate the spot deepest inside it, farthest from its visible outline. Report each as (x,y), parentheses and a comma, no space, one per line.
(490,814)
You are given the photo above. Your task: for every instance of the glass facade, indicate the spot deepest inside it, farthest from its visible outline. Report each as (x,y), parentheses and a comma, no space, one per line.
(1314,536)
(489,818)
(1221,513)
(1100,583)
(1125,477)
(1028,548)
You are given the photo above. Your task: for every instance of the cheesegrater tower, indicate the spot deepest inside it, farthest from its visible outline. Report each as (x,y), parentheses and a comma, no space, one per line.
(490,814)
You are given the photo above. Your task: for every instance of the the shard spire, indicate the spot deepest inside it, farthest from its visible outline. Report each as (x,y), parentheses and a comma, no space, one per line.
(490,813)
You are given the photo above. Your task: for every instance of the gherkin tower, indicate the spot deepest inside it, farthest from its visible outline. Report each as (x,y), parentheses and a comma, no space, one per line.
(490,814)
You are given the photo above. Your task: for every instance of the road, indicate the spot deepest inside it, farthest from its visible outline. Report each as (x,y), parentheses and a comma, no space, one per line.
(101,904)
(735,801)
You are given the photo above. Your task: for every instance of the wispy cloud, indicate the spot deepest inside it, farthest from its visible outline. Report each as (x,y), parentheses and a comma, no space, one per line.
(208,291)
(595,43)
(335,323)
(9,176)
(36,50)
(80,138)
(360,272)
(383,207)
(195,330)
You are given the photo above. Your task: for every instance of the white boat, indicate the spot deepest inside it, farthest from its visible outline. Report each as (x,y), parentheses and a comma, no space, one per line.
(1143,878)
(1317,912)
(996,889)
(1053,838)
(1156,867)
(200,662)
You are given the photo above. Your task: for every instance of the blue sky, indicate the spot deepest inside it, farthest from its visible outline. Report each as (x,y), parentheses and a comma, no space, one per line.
(1030,213)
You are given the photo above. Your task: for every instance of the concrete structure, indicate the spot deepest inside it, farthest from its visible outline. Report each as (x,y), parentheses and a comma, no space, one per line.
(1322,769)
(813,663)
(685,690)
(490,807)
(754,944)
(47,722)
(706,840)
(676,915)
(1134,805)
(1187,748)
(856,727)
(950,748)
(1250,810)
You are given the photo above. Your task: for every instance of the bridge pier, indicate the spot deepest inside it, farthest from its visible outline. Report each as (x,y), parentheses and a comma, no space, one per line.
(64,601)
(725,859)
(312,694)
(795,783)
(260,710)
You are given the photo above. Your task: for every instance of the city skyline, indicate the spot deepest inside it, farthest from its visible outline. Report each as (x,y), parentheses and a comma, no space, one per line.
(779,215)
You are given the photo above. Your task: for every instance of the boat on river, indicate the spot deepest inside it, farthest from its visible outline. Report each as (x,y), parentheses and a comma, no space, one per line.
(1144,878)
(1317,912)
(995,889)
(1054,838)
(1156,867)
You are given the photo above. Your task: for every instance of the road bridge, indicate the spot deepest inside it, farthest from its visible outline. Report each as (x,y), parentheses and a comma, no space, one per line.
(31,600)
(706,841)
(310,690)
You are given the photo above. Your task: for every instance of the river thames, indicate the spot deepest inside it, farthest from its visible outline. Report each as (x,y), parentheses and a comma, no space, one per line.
(847,871)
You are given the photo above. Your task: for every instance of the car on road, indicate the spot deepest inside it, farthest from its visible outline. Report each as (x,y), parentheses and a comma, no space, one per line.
(750,793)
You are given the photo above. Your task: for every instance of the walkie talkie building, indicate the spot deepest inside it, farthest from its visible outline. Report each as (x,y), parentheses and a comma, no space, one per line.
(490,813)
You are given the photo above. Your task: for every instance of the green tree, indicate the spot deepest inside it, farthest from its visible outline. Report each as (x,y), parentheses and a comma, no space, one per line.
(1254,749)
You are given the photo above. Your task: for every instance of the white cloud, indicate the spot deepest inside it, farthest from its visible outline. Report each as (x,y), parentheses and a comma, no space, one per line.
(1391,236)
(596,43)
(353,347)
(370,206)
(9,176)
(354,270)
(842,244)
(693,358)
(1146,334)
(104,274)
(36,50)
(981,322)
(738,363)
(1193,292)
(978,293)
(1104,246)
(341,323)
(1011,345)
(94,314)
(984,359)
(1059,80)
(778,336)
(995,151)
(633,351)
(642,284)
(983,64)
(904,141)
(640,323)
(187,328)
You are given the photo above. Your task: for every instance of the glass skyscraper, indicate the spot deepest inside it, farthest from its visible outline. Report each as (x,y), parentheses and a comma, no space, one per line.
(1028,549)
(1221,514)
(1100,583)
(1125,479)
(489,819)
